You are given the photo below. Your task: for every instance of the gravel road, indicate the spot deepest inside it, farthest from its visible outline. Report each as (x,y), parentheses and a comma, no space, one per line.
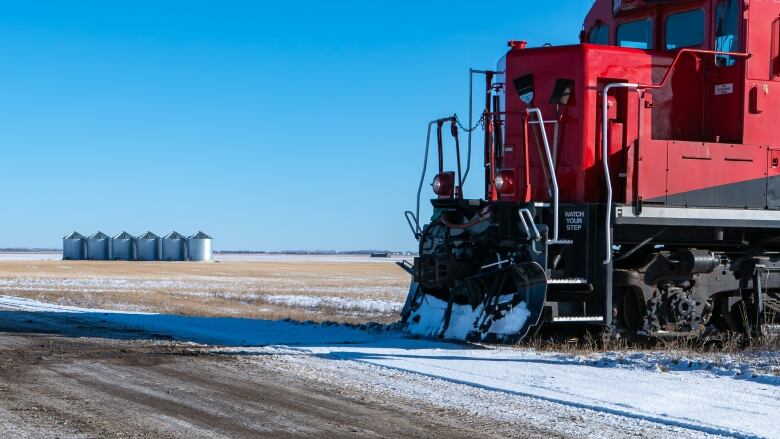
(83,388)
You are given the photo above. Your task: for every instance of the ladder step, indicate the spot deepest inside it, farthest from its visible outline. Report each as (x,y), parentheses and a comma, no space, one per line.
(561,242)
(571,281)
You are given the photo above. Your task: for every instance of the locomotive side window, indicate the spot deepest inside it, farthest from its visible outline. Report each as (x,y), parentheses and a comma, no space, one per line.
(726,31)
(636,34)
(685,29)
(599,34)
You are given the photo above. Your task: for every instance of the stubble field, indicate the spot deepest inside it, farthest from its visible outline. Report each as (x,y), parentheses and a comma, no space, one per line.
(338,289)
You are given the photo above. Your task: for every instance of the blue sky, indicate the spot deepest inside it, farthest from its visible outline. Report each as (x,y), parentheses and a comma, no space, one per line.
(292,125)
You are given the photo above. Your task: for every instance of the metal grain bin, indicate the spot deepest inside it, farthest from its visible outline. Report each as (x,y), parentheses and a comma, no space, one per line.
(199,247)
(123,247)
(147,247)
(99,247)
(74,247)
(174,247)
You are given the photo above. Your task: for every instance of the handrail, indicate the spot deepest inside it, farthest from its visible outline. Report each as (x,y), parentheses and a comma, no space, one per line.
(536,235)
(679,56)
(422,177)
(553,176)
(438,122)
(605,159)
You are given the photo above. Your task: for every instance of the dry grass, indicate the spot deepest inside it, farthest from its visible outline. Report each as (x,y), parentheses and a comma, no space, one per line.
(254,289)
(727,344)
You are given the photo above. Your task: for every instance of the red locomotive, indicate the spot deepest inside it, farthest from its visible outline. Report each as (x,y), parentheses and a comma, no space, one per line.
(632,182)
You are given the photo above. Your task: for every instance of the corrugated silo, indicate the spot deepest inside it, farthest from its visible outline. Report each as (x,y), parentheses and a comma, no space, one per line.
(147,247)
(123,247)
(199,247)
(99,247)
(74,247)
(174,247)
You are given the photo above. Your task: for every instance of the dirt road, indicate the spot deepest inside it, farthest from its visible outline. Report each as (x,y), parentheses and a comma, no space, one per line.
(63,387)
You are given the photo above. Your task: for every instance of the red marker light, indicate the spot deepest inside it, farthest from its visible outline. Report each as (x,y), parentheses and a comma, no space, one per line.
(444,184)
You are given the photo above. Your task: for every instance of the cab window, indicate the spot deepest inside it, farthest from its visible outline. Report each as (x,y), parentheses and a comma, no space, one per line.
(636,34)
(685,29)
(599,34)
(726,31)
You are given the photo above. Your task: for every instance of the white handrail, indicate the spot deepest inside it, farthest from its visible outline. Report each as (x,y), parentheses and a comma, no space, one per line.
(551,166)
(605,159)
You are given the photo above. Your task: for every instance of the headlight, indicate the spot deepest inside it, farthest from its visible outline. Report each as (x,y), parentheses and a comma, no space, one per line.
(436,184)
(500,182)
(505,182)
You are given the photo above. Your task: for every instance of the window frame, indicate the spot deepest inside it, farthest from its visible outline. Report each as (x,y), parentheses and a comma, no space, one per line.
(704,21)
(651,39)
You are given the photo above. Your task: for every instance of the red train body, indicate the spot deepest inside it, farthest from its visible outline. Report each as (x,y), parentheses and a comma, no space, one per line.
(693,123)
(636,175)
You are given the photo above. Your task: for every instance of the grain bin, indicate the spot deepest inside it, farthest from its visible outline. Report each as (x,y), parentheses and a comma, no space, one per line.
(74,247)
(123,247)
(174,247)
(147,247)
(199,247)
(99,247)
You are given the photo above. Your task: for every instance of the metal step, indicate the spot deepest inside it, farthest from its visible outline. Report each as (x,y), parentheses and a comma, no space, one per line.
(585,319)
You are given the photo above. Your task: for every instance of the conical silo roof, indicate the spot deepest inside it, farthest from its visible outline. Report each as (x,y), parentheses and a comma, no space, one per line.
(200,235)
(124,235)
(99,235)
(148,235)
(175,235)
(75,235)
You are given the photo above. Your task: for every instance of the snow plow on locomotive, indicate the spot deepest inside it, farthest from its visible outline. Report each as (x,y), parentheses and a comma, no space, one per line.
(632,183)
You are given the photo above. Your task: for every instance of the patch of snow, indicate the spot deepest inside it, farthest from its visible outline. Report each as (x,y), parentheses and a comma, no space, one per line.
(690,399)
(31,256)
(30,305)
(34,316)
(473,402)
(340,303)
(428,320)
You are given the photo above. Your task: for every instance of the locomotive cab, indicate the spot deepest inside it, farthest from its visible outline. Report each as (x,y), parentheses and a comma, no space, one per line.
(632,182)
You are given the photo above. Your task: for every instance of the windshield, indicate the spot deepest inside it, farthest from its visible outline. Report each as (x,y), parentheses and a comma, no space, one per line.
(636,34)
(685,29)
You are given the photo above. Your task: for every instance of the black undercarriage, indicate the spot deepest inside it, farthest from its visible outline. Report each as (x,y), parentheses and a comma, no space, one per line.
(663,280)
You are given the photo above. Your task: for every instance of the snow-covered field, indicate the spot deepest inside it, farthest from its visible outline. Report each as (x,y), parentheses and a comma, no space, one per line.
(348,289)
(220,257)
(598,395)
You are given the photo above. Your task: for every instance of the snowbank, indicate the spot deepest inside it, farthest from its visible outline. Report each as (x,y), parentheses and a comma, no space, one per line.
(428,320)
(32,316)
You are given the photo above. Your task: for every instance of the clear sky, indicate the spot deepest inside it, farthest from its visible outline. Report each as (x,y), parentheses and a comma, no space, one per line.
(269,125)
